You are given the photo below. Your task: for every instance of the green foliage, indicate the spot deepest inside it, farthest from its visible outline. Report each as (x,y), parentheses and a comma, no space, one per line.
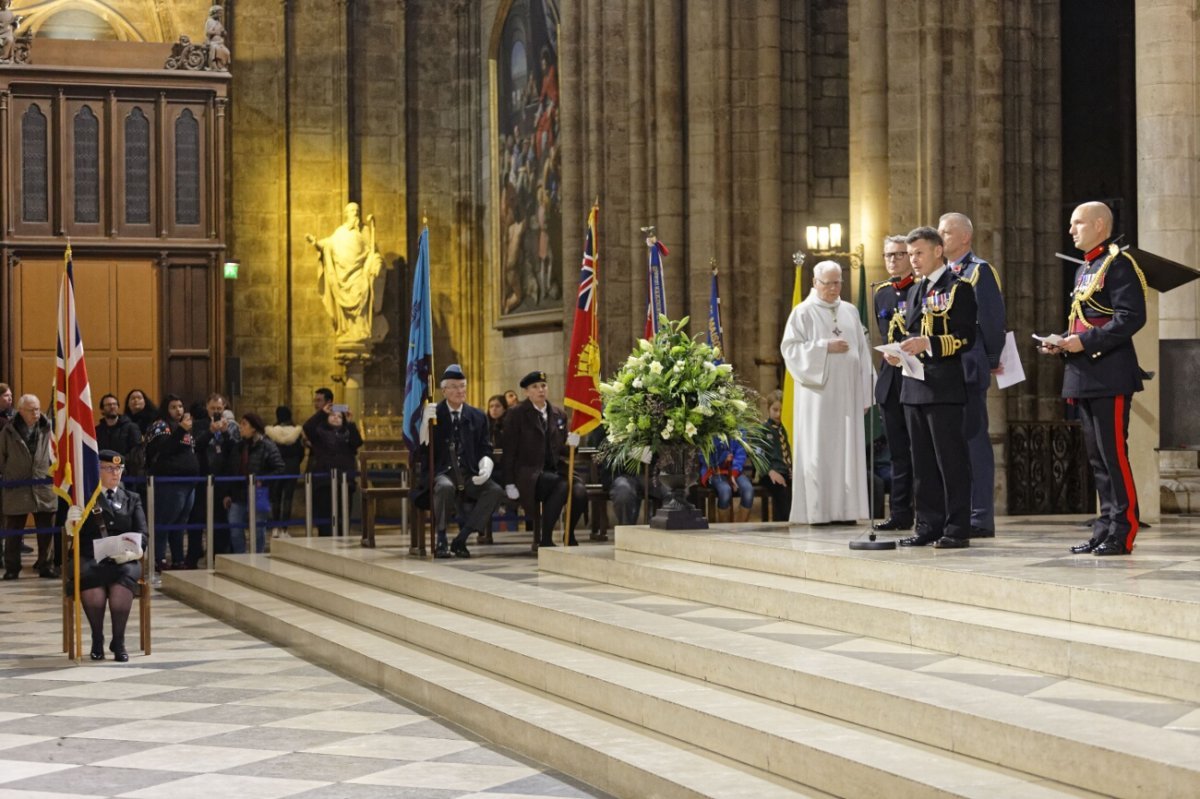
(670,398)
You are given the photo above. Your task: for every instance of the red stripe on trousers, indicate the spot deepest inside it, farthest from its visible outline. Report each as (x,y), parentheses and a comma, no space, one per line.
(1126,472)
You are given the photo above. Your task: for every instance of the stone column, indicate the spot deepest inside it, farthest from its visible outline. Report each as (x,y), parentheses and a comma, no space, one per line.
(869,132)
(1167,189)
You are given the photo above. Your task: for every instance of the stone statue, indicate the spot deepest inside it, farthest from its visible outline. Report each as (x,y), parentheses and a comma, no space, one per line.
(9,22)
(214,33)
(349,263)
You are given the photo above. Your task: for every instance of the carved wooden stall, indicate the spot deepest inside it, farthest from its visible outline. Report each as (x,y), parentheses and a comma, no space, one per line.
(106,147)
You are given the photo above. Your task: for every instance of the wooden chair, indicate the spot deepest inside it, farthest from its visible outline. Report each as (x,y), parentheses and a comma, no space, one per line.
(597,495)
(68,602)
(384,474)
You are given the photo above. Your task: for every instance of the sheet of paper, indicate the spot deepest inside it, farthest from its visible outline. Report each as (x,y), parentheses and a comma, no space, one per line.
(118,547)
(1011,370)
(910,366)
(1054,340)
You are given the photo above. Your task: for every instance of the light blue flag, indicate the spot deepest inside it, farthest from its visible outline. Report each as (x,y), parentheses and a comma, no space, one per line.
(420,347)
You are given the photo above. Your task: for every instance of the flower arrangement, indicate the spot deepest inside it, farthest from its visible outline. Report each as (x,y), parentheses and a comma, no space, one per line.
(671,397)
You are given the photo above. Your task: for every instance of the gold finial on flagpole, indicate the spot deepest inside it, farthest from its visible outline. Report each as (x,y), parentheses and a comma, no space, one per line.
(712,262)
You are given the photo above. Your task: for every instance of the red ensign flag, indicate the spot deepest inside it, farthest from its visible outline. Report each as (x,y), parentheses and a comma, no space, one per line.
(583,367)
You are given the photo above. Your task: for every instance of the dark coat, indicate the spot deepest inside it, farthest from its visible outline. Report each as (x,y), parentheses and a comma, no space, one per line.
(124,515)
(331,447)
(123,437)
(891,305)
(984,355)
(257,456)
(170,450)
(953,334)
(1116,309)
(475,435)
(525,448)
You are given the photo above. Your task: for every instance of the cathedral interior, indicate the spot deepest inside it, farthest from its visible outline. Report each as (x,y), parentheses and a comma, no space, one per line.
(730,127)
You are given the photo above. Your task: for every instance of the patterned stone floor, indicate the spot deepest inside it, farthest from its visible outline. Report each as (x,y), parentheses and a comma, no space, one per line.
(215,712)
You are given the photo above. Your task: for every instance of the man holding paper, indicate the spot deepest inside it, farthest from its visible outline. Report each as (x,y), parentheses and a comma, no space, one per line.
(979,363)
(941,327)
(113,578)
(826,352)
(1108,306)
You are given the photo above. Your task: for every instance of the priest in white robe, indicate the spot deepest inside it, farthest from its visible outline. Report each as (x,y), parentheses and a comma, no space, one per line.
(826,351)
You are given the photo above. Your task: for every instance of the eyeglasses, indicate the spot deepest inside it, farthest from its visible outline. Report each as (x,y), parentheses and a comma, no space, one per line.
(829,282)
(894,256)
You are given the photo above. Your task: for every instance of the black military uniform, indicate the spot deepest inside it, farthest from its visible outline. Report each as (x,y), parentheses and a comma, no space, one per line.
(1108,306)
(891,307)
(978,363)
(944,310)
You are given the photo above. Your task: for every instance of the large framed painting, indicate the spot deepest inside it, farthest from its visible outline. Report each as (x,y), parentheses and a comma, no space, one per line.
(527,151)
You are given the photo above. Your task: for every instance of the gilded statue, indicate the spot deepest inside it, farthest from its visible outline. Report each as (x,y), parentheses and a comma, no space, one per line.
(348,265)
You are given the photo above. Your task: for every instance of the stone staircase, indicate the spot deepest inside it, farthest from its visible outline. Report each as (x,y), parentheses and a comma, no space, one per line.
(650,669)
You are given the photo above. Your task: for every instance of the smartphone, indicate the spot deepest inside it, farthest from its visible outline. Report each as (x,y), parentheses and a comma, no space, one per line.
(340,408)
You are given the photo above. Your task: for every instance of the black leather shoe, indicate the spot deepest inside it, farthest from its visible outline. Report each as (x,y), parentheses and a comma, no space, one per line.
(547,544)
(981,532)
(1084,548)
(11,575)
(26,549)
(441,550)
(1111,547)
(119,653)
(892,523)
(459,549)
(98,650)
(49,572)
(946,542)
(922,540)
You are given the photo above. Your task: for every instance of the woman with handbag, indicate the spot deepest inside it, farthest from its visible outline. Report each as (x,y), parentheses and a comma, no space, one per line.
(111,580)
(254,455)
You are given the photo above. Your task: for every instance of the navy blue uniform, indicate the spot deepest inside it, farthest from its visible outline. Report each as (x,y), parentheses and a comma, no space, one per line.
(1108,306)
(978,363)
(891,306)
(933,407)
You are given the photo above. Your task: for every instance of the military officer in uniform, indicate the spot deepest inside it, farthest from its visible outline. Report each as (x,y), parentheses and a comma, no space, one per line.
(891,307)
(940,321)
(115,511)
(1108,306)
(534,465)
(462,465)
(979,363)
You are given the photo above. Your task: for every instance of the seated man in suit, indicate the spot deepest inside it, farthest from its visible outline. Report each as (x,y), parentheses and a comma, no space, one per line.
(462,465)
(535,468)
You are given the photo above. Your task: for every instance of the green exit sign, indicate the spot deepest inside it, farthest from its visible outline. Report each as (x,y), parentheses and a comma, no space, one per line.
(231,270)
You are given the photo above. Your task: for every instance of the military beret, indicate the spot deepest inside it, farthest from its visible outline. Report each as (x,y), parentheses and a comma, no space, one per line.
(533,377)
(110,456)
(453,372)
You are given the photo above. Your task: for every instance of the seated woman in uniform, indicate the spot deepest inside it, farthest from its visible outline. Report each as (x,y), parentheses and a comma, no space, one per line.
(116,511)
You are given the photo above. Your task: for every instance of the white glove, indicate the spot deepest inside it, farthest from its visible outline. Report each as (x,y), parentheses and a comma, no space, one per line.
(428,414)
(573,439)
(511,492)
(485,471)
(74,514)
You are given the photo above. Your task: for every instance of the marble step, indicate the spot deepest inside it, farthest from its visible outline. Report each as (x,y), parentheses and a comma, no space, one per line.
(792,744)
(615,757)
(1089,596)
(1116,658)
(1076,747)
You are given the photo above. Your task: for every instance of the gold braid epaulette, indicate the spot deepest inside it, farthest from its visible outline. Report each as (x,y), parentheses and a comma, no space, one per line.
(950,344)
(1084,296)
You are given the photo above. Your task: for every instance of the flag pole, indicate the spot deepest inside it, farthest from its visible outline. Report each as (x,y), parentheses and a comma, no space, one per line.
(429,398)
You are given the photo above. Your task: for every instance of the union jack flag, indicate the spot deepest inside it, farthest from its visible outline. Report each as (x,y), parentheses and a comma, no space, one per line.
(76,468)
(582,393)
